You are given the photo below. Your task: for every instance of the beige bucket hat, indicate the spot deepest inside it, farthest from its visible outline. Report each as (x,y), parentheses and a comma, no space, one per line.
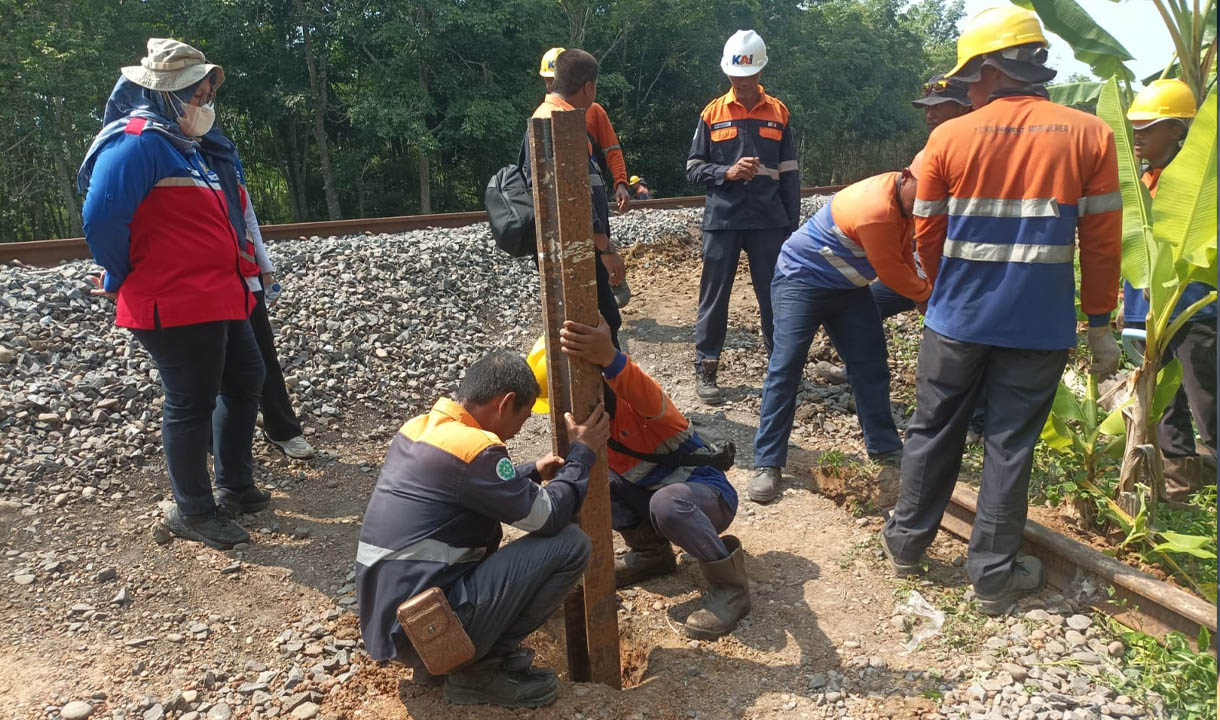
(171,65)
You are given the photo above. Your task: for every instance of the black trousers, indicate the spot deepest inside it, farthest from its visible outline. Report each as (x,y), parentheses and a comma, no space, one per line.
(1195,347)
(279,420)
(1017,387)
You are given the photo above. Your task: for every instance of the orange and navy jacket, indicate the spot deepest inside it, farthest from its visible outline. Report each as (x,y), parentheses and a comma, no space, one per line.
(158,222)
(1004,193)
(1135,303)
(597,123)
(727,132)
(647,421)
(551,104)
(436,510)
(861,234)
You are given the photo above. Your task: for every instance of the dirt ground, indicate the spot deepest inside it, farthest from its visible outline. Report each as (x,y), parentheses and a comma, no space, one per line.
(200,620)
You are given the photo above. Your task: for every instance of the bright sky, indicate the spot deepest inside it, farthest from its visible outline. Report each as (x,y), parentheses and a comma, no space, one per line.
(1134,23)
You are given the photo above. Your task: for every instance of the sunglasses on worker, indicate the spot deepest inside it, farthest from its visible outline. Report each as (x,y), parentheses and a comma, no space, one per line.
(937,87)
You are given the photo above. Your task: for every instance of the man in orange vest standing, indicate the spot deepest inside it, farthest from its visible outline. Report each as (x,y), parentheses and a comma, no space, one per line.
(573,87)
(1160,115)
(744,154)
(1004,196)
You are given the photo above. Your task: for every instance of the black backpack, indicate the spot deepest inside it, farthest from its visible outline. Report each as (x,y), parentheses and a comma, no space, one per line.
(510,211)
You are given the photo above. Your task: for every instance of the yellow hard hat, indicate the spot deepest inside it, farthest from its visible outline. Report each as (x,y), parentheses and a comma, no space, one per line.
(548,62)
(634,179)
(537,363)
(1162,100)
(995,29)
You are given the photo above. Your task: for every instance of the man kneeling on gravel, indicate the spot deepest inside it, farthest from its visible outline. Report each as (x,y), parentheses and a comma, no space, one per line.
(433,521)
(666,485)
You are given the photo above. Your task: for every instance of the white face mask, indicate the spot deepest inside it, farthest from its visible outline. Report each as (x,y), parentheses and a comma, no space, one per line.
(197,120)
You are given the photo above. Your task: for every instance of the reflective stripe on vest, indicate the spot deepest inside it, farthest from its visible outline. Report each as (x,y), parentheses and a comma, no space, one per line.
(853,276)
(1003,207)
(1097,204)
(426,550)
(1015,252)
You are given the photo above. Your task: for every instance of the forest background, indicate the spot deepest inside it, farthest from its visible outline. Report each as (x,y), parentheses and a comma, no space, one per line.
(354,108)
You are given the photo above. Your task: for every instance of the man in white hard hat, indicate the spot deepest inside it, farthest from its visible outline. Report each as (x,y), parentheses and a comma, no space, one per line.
(743,152)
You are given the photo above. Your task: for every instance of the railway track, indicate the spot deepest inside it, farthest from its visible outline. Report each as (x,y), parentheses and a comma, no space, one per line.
(1137,600)
(44,253)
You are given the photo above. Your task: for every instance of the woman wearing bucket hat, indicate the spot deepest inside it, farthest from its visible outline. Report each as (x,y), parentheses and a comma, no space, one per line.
(157,220)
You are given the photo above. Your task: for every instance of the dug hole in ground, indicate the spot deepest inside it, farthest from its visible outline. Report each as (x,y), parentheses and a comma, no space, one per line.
(104,616)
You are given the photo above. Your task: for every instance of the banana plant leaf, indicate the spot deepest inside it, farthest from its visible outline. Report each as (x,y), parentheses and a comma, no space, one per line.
(1184,212)
(1075,93)
(1137,204)
(1090,42)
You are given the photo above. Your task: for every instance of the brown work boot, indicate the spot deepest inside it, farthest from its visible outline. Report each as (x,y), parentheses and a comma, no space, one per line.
(727,598)
(1183,476)
(649,555)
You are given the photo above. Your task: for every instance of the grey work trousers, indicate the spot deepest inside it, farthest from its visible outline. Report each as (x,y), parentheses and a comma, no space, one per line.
(512,593)
(1195,346)
(1017,387)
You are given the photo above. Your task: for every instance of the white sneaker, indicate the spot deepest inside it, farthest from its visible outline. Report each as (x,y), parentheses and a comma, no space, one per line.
(296,448)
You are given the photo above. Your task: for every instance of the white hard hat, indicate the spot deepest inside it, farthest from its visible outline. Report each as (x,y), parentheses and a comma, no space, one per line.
(744,54)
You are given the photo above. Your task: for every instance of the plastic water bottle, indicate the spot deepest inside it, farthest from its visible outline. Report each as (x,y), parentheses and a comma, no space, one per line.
(271,293)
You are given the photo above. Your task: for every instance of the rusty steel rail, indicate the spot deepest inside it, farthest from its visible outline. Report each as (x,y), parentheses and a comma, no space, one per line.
(50,252)
(1139,601)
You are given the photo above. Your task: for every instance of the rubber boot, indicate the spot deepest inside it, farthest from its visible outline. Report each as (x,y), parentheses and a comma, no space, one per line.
(649,555)
(727,598)
(1183,476)
(705,382)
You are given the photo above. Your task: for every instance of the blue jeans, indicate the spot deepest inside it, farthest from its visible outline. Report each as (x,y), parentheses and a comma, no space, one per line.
(212,375)
(854,328)
(889,302)
(721,251)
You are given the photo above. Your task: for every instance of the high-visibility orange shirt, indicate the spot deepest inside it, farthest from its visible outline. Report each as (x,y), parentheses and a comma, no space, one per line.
(598,124)
(1004,193)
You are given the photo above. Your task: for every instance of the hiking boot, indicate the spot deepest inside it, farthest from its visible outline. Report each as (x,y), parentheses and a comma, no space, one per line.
(650,555)
(245,502)
(727,598)
(214,529)
(901,568)
(296,448)
(508,681)
(1027,578)
(764,485)
(705,382)
(890,459)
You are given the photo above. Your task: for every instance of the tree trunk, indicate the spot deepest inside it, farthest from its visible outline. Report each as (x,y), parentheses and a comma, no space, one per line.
(425,188)
(1142,464)
(316,65)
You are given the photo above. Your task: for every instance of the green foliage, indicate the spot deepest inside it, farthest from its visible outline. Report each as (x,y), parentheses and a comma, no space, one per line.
(1076,93)
(436,94)
(1137,203)
(1169,671)
(1090,42)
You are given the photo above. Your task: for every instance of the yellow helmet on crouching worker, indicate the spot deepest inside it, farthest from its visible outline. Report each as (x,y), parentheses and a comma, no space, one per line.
(1162,100)
(547,70)
(537,363)
(1001,30)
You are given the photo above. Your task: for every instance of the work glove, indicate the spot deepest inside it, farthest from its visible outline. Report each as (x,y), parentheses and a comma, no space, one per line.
(1105,352)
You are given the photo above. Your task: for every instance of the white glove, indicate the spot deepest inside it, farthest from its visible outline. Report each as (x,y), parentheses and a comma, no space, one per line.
(1105,352)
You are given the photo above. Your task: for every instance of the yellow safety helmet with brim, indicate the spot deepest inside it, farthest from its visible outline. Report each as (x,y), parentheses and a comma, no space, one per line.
(537,363)
(1169,99)
(996,29)
(634,180)
(547,70)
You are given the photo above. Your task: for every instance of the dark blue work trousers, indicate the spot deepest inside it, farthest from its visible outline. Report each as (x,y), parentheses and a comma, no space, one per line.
(721,251)
(854,327)
(691,515)
(212,375)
